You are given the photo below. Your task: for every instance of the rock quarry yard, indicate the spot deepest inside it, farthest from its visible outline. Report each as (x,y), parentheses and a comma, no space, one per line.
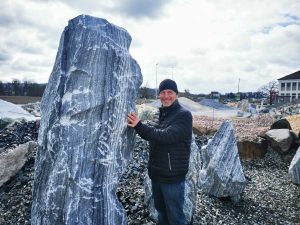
(269,197)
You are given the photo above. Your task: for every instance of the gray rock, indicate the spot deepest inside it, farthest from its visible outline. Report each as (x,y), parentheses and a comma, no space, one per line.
(12,160)
(240,114)
(294,168)
(221,174)
(281,124)
(280,140)
(84,142)
(33,108)
(243,105)
(191,185)
(4,122)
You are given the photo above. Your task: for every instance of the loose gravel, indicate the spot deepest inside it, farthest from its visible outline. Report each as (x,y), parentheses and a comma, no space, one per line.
(269,197)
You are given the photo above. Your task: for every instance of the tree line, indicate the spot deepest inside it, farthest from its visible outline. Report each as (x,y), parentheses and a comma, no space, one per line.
(29,88)
(149,93)
(18,88)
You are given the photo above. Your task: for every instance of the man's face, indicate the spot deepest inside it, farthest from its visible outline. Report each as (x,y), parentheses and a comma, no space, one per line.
(167,97)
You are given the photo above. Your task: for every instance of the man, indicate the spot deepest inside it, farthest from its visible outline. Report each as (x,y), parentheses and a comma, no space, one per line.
(170,142)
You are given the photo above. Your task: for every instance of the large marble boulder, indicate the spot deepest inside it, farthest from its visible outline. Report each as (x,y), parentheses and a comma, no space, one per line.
(221,174)
(84,142)
(294,168)
(191,186)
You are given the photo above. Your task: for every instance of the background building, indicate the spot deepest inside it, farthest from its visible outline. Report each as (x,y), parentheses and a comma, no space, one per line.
(289,87)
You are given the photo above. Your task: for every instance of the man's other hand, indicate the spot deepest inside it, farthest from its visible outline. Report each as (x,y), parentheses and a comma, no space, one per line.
(133,119)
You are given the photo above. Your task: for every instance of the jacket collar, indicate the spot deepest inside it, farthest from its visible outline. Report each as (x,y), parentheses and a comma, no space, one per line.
(170,108)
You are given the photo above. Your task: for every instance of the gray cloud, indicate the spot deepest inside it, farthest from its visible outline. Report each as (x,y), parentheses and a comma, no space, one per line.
(4,57)
(32,50)
(13,16)
(136,43)
(142,9)
(257,40)
(168,62)
(7,15)
(199,51)
(6,20)
(83,5)
(135,9)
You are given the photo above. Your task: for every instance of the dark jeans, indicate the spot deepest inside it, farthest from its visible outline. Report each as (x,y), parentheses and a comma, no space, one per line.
(168,201)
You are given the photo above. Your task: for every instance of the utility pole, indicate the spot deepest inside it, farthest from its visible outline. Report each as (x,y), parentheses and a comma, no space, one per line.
(156,82)
(239,86)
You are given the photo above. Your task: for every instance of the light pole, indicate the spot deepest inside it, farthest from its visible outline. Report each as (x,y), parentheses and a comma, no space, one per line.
(156,82)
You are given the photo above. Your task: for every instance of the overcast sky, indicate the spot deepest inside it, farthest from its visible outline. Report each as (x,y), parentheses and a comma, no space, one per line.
(204,45)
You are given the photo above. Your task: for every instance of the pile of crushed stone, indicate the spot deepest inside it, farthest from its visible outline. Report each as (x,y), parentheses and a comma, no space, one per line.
(215,104)
(201,109)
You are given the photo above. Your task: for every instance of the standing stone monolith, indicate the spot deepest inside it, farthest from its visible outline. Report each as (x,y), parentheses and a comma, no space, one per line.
(84,142)
(221,174)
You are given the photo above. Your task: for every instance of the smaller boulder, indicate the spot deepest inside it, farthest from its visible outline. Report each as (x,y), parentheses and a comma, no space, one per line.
(294,168)
(264,110)
(4,122)
(281,124)
(240,114)
(12,160)
(222,174)
(280,140)
(296,141)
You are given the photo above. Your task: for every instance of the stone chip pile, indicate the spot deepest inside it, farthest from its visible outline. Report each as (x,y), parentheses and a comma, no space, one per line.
(248,128)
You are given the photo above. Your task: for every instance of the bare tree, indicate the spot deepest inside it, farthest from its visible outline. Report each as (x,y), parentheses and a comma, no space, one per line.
(186,93)
(270,90)
(1,88)
(16,87)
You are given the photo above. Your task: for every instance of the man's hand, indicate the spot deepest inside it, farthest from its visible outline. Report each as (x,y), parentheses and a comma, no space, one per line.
(133,119)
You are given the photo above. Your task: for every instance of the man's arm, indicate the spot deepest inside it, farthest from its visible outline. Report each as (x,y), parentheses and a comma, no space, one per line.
(179,130)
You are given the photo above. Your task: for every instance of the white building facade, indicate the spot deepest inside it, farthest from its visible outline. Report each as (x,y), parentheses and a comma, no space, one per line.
(289,87)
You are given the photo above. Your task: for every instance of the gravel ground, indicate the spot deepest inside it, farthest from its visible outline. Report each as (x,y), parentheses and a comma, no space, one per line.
(269,196)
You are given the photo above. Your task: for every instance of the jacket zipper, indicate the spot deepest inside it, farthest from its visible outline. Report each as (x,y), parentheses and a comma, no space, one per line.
(169,161)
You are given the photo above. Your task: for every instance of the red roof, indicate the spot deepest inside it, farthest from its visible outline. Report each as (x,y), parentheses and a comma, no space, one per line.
(291,76)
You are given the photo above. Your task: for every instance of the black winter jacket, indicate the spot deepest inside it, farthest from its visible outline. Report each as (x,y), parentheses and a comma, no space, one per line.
(170,144)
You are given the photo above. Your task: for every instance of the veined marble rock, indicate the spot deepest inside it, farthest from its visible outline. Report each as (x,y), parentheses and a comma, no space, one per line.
(84,142)
(191,186)
(294,168)
(222,174)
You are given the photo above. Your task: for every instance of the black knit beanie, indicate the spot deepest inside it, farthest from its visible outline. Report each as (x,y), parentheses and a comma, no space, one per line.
(168,84)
